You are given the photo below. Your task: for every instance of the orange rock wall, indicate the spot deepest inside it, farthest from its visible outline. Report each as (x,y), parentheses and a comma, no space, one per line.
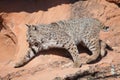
(14,14)
(18,13)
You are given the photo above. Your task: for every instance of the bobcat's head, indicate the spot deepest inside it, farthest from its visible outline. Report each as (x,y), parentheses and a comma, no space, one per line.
(32,35)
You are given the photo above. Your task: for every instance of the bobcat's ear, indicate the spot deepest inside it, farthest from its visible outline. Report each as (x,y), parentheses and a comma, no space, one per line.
(28,25)
(32,27)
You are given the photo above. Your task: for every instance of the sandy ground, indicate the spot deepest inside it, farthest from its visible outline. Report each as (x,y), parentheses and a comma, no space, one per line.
(52,63)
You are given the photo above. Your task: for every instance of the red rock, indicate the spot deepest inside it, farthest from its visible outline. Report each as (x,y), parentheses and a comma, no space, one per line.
(13,43)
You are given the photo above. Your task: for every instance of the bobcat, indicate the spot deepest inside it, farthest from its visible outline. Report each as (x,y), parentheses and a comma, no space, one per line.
(66,34)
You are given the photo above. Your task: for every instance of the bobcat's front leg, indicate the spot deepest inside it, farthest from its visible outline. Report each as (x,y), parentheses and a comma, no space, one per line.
(25,59)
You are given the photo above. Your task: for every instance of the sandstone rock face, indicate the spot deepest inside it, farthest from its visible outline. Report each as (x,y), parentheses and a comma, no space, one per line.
(8,41)
(16,17)
(115,1)
(13,45)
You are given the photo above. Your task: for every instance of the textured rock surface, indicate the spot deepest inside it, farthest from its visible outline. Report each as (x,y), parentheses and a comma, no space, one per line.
(13,45)
(115,1)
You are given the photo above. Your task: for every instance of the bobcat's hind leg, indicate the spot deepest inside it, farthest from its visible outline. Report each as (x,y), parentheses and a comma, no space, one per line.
(94,47)
(72,48)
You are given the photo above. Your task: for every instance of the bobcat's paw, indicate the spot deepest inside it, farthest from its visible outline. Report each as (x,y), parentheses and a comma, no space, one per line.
(17,65)
(77,64)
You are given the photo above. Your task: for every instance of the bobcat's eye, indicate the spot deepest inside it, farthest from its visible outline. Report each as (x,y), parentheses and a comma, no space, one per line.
(36,44)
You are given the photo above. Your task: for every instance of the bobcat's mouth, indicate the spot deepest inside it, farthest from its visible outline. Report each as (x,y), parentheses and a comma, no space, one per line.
(32,42)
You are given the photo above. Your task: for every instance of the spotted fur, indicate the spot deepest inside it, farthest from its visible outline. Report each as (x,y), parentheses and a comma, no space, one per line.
(66,34)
